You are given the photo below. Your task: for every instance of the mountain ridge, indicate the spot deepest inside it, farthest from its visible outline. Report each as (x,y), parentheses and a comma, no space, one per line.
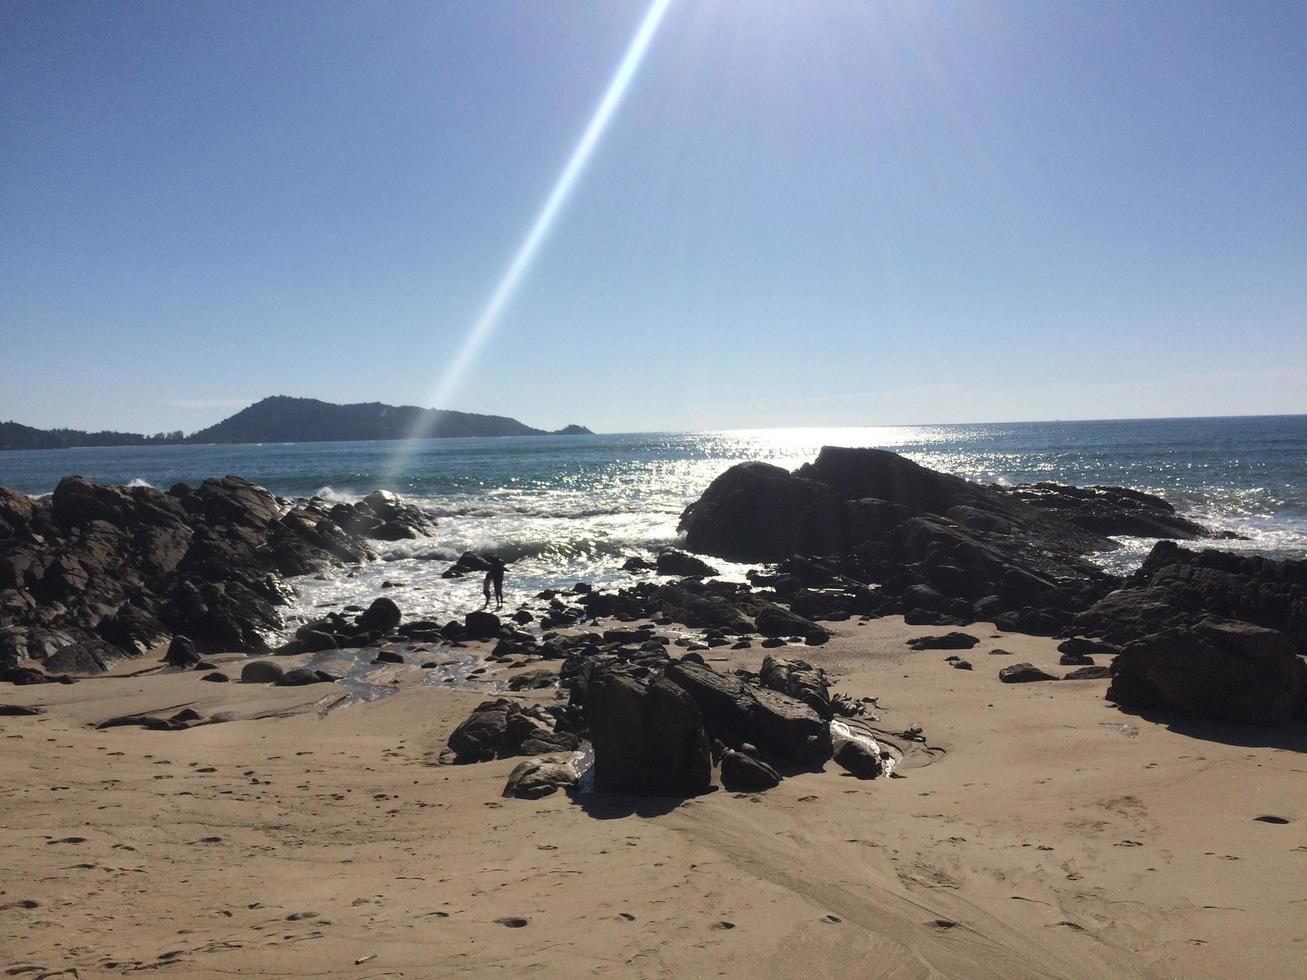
(283,418)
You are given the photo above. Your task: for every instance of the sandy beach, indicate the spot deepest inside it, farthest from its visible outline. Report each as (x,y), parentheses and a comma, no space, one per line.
(1052,835)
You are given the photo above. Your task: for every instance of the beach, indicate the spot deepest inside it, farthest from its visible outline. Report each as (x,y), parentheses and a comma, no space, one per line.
(1052,835)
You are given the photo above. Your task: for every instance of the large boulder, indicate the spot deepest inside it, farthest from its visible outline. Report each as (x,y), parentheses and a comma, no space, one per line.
(782,727)
(648,736)
(1216,669)
(760,512)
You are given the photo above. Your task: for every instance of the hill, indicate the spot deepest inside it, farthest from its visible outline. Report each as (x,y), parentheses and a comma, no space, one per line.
(284,419)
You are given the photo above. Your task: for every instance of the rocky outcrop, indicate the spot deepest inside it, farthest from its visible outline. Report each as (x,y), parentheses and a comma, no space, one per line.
(96,573)
(504,728)
(1177,587)
(648,735)
(759,512)
(1113,511)
(941,550)
(735,712)
(1217,669)
(673,562)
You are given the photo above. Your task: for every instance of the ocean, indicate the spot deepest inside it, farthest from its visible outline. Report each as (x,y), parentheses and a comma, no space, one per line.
(563,509)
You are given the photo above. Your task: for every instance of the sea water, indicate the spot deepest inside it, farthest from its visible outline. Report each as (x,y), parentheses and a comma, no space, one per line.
(563,509)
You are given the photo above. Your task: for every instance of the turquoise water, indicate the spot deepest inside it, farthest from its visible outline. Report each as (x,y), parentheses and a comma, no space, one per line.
(566,508)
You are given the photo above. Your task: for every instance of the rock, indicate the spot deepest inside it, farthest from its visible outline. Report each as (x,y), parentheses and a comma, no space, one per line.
(783,727)
(132,629)
(383,616)
(529,680)
(637,563)
(1087,674)
(1111,511)
(799,679)
(181,653)
(1217,669)
(857,758)
(299,677)
(503,728)
(702,610)
(1079,646)
(772,620)
(532,779)
(741,773)
(261,672)
(1076,660)
(759,512)
(1023,674)
(947,641)
(217,677)
(388,657)
(19,710)
(673,562)
(961,664)
(480,737)
(1177,587)
(89,656)
(470,563)
(648,736)
(481,625)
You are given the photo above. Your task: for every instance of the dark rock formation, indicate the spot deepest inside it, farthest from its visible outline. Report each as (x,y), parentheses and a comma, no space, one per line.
(1178,587)
(96,573)
(648,736)
(181,653)
(799,679)
(854,757)
(532,779)
(759,512)
(948,641)
(261,672)
(383,616)
(741,773)
(1218,669)
(481,625)
(1023,674)
(504,728)
(673,562)
(782,727)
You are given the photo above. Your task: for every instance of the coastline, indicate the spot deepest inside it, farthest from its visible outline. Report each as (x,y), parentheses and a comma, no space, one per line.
(1061,835)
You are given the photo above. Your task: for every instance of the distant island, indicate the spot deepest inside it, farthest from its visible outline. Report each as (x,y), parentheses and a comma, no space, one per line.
(285,419)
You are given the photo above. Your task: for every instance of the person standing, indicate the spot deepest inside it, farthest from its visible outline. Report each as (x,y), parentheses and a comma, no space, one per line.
(495,579)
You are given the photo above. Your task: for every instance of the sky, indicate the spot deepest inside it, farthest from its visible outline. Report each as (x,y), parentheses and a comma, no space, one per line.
(799,214)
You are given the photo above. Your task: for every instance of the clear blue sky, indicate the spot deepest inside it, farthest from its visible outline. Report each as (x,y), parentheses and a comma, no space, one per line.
(802,214)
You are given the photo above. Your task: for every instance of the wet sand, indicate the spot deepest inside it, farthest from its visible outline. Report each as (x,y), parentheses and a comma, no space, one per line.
(1053,836)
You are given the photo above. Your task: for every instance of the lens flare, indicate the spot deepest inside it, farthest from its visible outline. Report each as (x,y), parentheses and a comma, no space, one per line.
(539,230)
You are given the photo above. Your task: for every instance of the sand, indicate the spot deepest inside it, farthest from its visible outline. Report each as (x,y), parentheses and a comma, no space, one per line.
(1053,836)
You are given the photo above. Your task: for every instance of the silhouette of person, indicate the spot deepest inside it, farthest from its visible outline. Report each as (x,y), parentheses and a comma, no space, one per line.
(494,577)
